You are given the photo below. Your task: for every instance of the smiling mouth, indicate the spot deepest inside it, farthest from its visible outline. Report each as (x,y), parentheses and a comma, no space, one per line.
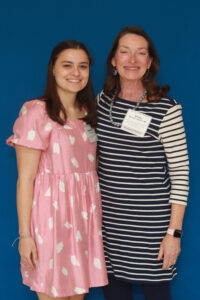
(74,80)
(131,68)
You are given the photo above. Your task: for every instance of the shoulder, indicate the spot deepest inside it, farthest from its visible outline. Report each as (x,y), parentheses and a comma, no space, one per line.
(169,102)
(102,97)
(166,105)
(33,108)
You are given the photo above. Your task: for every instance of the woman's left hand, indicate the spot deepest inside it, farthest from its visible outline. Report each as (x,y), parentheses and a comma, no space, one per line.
(170,248)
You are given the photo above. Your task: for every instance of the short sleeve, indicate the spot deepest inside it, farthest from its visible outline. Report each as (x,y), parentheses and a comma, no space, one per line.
(32,128)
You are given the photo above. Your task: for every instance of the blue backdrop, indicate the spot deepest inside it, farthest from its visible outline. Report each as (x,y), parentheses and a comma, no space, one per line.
(29,30)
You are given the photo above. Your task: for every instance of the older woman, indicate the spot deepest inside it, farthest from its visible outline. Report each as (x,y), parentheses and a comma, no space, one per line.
(143,170)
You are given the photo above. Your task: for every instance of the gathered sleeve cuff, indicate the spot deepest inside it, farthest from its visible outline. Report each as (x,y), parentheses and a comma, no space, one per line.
(32,128)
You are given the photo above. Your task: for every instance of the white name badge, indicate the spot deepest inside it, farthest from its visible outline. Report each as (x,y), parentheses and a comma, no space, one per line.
(136,122)
(91,134)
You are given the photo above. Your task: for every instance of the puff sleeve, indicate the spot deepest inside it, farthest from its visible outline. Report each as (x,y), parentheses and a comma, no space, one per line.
(32,128)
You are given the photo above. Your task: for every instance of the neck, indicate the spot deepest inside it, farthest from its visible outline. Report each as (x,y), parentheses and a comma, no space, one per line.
(68,99)
(131,90)
(69,102)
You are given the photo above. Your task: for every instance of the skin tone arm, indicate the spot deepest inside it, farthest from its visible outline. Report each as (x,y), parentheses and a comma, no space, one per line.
(27,164)
(171,246)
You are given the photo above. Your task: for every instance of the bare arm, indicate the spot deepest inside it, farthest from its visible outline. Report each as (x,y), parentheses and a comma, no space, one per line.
(27,164)
(171,246)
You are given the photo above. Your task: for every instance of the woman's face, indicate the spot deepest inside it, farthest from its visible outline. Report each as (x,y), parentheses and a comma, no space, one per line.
(132,57)
(71,71)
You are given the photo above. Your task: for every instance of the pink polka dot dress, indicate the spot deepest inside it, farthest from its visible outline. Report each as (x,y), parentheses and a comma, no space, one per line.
(66,211)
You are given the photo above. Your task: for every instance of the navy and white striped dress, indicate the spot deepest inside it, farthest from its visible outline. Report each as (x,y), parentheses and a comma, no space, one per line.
(139,178)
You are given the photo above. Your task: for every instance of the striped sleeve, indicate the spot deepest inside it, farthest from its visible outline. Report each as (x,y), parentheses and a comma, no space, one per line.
(98,97)
(172,135)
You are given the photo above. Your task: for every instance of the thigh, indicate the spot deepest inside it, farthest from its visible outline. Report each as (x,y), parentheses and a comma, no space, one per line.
(42,296)
(77,297)
(117,290)
(157,291)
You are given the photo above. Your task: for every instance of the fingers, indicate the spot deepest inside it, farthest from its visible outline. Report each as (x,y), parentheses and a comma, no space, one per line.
(27,261)
(169,251)
(168,261)
(161,253)
(28,253)
(34,255)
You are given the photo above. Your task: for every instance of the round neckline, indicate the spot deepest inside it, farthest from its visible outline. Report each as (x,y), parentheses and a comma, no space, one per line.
(74,121)
(132,102)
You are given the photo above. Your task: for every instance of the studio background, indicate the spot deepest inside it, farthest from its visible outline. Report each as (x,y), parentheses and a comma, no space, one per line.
(29,30)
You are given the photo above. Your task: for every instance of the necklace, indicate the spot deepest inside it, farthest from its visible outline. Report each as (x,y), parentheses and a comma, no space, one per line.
(116,124)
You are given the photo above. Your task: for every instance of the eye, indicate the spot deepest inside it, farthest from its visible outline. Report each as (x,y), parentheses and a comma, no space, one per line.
(66,65)
(123,51)
(84,67)
(142,52)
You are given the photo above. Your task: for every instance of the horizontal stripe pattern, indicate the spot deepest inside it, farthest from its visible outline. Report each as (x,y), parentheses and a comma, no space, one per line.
(139,178)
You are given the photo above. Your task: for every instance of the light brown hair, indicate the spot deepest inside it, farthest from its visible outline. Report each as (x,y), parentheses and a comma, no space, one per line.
(112,83)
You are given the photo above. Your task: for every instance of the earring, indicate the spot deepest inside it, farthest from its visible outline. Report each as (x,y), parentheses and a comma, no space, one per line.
(114,71)
(146,75)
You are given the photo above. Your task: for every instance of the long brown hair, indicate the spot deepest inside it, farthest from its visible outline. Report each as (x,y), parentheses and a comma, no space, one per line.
(85,98)
(112,83)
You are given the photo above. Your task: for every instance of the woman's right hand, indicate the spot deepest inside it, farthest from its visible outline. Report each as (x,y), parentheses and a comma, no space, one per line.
(28,252)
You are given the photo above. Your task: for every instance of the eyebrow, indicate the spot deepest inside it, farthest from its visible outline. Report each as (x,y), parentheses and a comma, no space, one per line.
(71,62)
(138,48)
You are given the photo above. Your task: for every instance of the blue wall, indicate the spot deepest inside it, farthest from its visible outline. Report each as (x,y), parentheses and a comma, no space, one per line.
(29,30)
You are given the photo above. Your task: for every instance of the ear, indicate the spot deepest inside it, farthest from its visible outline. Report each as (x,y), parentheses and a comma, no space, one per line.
(113,62)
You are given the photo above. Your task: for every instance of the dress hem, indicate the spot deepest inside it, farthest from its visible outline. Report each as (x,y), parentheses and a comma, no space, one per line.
(40,290)
(138,281)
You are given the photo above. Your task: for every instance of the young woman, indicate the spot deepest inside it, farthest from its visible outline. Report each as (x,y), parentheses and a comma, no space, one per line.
(58,199)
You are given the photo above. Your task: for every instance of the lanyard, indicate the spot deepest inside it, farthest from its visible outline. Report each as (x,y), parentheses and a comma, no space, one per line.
(116,124)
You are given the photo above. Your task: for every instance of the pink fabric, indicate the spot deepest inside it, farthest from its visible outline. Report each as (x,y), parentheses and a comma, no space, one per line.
(66,213)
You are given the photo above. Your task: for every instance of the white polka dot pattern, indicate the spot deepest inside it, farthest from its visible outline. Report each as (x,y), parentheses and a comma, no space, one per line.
(48,126)
(54,292)
(90,157)
(55,204)
(68,225)
(65,198)
(75,162)
(59,247)
(78,236)
(72,139)
(79,290)
(48,192)
(51,263)
(74,261)
(31,135)
(51,223)
(97,263)
(56,148)
(64,271)
(84,215)
(24,110)
(62,186)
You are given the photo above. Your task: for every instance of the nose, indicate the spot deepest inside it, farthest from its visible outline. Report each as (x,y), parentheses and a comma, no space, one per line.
(76,71)
(132,57)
